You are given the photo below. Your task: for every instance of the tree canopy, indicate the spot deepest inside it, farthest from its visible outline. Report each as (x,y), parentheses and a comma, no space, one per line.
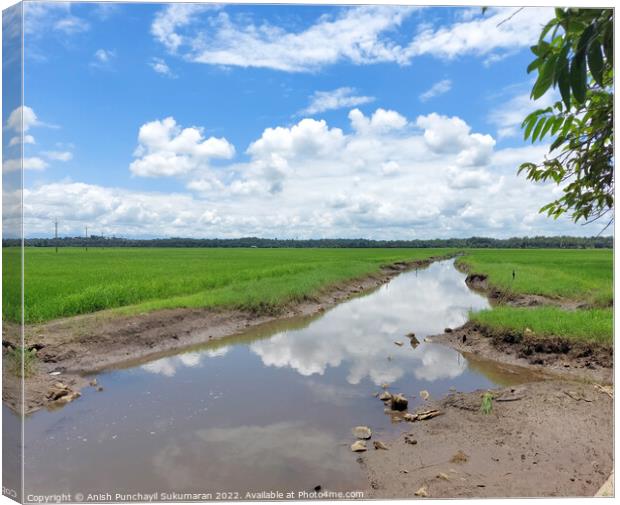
(574,55)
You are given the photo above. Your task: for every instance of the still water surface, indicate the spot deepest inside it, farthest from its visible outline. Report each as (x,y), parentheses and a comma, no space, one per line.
(268,410)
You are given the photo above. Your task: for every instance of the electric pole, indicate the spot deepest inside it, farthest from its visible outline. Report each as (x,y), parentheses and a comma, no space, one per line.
(86,237)
(56,233)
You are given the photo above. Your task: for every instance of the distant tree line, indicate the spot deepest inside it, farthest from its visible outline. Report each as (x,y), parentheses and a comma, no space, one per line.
(563,242)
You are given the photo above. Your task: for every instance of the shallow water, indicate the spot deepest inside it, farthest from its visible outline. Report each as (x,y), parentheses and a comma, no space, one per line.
(269,410)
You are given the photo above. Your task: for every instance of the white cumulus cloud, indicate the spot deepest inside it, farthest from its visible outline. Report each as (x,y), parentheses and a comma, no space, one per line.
(25,114)
(166,149)
(445,134)
(382,176)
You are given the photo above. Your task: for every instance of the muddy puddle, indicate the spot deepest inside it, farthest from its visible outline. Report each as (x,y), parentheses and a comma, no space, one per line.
(269,410)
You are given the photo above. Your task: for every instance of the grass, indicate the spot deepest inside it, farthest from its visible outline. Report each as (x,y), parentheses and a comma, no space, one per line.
(583,275)
(578,274)
(585,325)
(486,406)
(16,356)
(134,280)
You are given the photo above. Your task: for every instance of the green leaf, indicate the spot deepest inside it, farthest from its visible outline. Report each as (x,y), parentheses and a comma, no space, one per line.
(540,49)
(548,124)
(530,167)
(579,77)
(539,126)
(564,85)
(545,78)
(584,40)
(557,124)
(595,61)
(535,64)
(548,27)
(529,124)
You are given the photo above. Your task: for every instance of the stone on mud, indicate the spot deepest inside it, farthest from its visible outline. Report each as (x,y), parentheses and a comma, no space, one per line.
(422,492)
(399,402)
(460,457)
(385,396)
(424,394)
(58,390)
(359,446)
(380,445)
(362,432)
(73,395)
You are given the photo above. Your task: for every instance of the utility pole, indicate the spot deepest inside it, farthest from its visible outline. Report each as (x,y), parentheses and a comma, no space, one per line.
(56,233)
(86,237)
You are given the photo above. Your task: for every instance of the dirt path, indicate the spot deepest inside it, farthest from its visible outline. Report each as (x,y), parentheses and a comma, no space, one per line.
(69,348)
(551,438)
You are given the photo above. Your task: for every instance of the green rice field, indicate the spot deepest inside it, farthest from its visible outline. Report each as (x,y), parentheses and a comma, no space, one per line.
(574,274)
(74,281)
(134,280)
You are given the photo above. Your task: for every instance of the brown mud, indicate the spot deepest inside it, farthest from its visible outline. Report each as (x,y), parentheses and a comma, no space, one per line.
(546,438)
(68,349)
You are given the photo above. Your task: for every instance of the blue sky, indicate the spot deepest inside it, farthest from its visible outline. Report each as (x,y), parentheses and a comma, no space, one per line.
(202,120)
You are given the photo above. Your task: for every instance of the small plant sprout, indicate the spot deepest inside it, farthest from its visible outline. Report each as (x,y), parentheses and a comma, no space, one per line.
(487,403)
(17,355)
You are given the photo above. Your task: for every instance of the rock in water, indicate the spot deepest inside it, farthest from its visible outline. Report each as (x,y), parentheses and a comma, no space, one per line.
(68,398)
(362,432)
(398,343)
(424,394)
(380,445)
(399,402)
(359,446)
(448,330)
(385,396)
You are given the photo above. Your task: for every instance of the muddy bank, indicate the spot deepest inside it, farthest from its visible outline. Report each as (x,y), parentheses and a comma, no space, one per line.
(69,348)
(548,438)
(553,356)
